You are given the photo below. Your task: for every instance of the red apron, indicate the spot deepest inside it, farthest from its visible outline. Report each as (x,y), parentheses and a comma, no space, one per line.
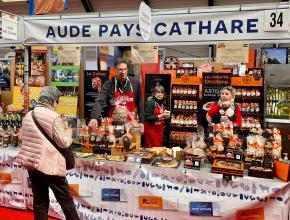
(121,98)
(153,130)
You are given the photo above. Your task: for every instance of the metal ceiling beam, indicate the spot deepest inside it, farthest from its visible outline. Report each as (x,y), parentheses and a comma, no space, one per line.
(88,6)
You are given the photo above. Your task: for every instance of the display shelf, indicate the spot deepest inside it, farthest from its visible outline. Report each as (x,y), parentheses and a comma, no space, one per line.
(177,143)
(183,100)
(250,92)
(184,96)
(184,111)
(274,120)
(248,99)
(184,128)
(253,114)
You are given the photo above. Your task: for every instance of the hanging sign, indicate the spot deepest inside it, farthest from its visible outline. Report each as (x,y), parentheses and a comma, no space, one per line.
(9,26)
(232,52)
(144,53)
(276,20)
(145,20)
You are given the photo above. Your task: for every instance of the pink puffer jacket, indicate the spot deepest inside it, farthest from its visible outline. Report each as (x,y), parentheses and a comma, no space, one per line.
(36,151)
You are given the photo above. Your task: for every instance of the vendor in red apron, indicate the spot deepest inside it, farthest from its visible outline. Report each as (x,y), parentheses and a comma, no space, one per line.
(121,90)
(225,110)
(155,114)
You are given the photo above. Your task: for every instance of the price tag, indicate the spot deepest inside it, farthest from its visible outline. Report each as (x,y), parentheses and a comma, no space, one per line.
(227,177)
(276,20)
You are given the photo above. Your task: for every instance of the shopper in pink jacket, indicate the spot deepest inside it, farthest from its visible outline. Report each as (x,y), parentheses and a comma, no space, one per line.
(46,166)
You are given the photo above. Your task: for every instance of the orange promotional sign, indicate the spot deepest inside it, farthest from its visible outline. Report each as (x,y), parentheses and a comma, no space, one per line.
(150,202)
(74,189)
(281,170)
(5,178)
(246,81)
(186,80)
(251,214)
(252,58)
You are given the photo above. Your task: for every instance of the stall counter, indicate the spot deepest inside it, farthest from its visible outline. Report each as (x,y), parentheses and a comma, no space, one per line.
(123,190)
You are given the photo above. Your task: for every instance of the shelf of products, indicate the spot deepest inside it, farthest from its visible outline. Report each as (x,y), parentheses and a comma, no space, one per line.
(184,109)
(251,102)
(278,103)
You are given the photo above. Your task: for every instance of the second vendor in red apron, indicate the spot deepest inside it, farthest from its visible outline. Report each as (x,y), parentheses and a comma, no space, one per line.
(155,114)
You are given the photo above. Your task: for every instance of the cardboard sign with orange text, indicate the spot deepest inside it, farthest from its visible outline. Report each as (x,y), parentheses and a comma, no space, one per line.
(251,214)
(150,202)
(5,178)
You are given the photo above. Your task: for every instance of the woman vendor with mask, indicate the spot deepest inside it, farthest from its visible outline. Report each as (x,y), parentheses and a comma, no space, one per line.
(155,114)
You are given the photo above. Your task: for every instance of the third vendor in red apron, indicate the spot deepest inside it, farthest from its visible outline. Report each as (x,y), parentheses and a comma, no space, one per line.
(155,114)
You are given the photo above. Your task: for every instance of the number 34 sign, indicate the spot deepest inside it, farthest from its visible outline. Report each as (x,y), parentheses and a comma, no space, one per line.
(276,20)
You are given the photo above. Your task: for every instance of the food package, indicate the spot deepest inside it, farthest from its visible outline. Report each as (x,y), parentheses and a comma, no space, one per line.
(120,114)
(277,148)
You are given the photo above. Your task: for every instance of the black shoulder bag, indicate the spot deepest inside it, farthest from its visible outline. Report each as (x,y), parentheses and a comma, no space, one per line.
(65,152)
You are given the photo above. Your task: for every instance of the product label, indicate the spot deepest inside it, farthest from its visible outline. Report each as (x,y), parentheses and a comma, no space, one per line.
(150,202)
(204,209)
(117,195)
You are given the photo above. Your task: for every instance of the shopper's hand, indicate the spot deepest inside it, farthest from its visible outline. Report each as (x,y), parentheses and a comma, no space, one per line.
(226,104)
(69,130)
(93,123)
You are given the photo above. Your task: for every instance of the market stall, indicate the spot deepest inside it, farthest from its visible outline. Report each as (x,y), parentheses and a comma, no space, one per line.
(207,171)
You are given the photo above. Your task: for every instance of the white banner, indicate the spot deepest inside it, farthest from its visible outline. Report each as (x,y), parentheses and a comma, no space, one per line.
(117,190)
(114,190)
(166,29)
(12,180)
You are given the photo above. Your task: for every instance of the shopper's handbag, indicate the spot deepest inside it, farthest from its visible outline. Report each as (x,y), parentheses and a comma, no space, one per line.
(65,152)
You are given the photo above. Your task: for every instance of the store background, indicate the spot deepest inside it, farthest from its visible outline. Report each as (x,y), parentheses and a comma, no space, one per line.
(185,53)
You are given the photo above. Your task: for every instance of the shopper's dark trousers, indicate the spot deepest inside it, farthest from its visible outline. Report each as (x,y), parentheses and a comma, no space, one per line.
(40,183)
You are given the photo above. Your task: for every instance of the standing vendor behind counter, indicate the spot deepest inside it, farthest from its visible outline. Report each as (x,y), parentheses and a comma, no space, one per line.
(121,90)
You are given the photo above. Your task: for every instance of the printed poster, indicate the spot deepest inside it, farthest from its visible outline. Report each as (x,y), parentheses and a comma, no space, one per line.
(93,81)
(38,66)
(5,74)
(68,102)
(19,67)
(17,100)
(66,66)
(67,105)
